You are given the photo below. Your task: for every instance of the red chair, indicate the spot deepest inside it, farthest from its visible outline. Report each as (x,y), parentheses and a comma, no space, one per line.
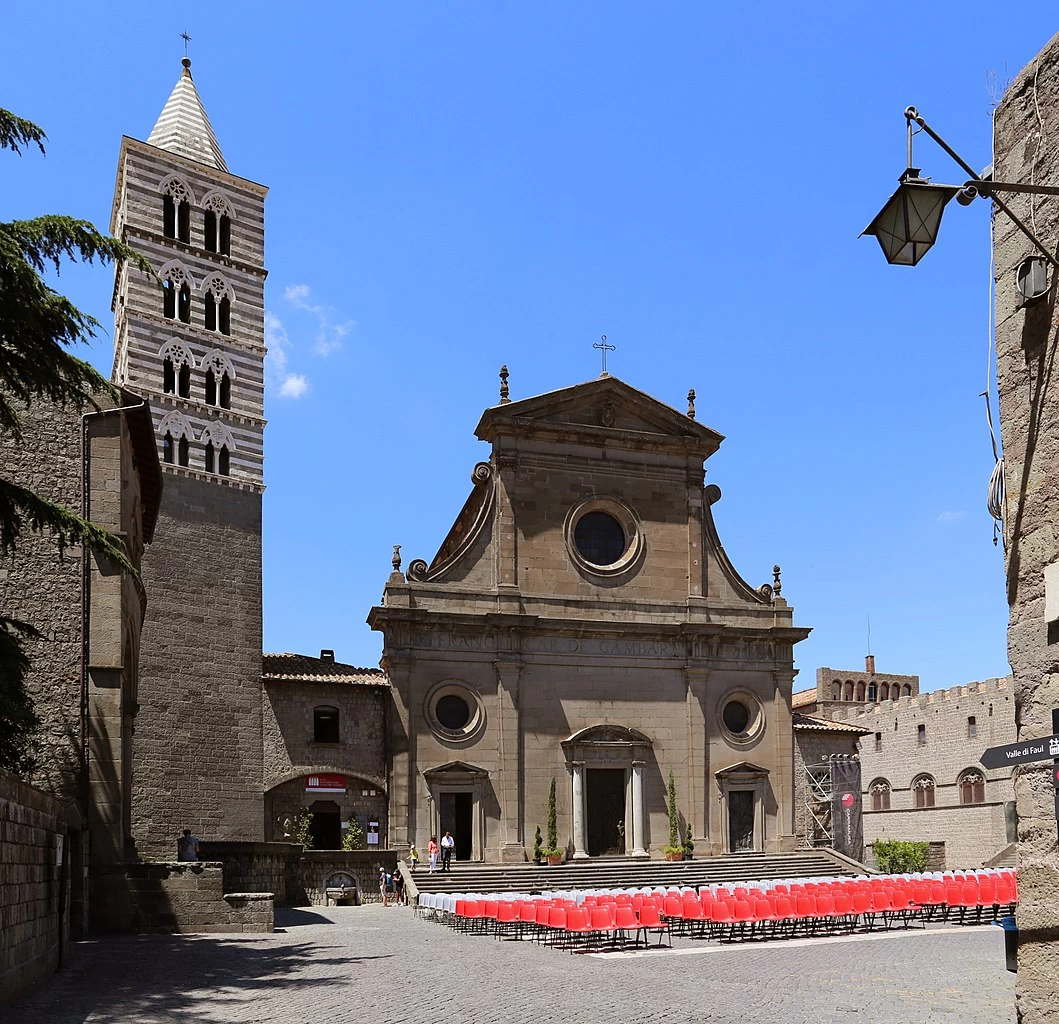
(527,918)
(602,921)
(507,919)
(881,903)
(556,924)
(805,912)
(693,912)
(673,911)
(720,919)
(743,916)
(651,921)
(826,915)
(577,927)
(626,922)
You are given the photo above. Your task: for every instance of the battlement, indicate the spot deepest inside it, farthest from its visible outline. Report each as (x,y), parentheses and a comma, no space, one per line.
(999,685)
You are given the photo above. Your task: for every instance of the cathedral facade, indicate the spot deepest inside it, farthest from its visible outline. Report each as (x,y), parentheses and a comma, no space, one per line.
(581,622)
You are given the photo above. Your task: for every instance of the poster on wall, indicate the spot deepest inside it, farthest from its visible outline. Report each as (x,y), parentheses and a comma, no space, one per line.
(373,833)
(846,807)
(325,783)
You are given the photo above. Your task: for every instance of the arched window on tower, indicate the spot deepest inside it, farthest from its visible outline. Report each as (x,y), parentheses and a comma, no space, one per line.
(176,292)
(176,209)
(177,364)
(211,458)
(211,387)
(217,299)
(168,376)
(218,443)
(176,437)
(167,448)
(219,374)
(217,224)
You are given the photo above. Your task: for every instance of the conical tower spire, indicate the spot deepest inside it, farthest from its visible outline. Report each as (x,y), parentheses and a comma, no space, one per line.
(183,127)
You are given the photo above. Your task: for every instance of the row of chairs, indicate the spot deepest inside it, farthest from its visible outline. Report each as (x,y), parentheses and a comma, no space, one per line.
(619,919)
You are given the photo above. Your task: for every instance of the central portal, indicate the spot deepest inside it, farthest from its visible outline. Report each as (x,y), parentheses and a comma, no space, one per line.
(456,811)
(606,810)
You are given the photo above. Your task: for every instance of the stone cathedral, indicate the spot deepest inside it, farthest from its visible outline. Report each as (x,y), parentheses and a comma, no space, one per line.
(581,622)
(192,342)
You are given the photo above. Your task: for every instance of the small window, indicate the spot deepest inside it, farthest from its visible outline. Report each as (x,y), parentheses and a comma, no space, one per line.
(873,693)
(211,460)
(921,734)
(184,304)
(599,538)
(972,727)
(209,312)
(923,791)
(209,231)
(168,217)
(184,222)
(211,387)
(224,319)
(184,389)
(878,742)
(325,725)
(167,448)
(225,241)
(182,451)
(169,300)
(972,787)
(223,463)
(226,391)
(168,376)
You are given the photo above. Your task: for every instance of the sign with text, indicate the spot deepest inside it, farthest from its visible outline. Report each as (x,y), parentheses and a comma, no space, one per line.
(325,783)
(1023,752)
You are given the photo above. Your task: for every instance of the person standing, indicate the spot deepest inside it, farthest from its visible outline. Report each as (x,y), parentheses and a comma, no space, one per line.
(447,843)
(187,846)
(413,856)
(432,852)
(384,882)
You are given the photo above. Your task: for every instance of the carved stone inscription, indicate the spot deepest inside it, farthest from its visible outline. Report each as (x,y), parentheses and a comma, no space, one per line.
(487,642)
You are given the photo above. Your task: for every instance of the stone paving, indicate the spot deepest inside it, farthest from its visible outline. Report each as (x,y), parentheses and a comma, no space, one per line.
(370,964)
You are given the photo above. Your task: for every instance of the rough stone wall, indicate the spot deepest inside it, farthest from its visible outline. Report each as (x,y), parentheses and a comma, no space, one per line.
(32,827)
(259,867)
(973,833)
(289,747)
(319,865)
(1026,149)
(176,897)
(197,745)
(43,587)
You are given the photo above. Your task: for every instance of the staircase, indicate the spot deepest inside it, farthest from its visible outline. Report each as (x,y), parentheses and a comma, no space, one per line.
(619,872)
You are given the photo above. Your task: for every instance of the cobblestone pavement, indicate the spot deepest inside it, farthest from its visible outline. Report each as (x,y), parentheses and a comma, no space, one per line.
(370,964)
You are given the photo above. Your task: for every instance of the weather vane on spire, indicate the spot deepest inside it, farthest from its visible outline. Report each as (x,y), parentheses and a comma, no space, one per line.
(604,348)
(187,39)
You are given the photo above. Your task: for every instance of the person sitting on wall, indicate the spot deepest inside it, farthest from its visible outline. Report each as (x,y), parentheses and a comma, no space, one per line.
(187,846)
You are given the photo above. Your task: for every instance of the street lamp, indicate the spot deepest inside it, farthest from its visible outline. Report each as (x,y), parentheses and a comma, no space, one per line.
(907,226)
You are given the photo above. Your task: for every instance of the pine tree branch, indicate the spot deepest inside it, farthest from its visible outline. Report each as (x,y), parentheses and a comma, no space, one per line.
(16,132)
(19,506)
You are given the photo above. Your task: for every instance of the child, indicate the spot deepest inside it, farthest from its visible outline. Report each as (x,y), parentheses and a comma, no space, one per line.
(413,856)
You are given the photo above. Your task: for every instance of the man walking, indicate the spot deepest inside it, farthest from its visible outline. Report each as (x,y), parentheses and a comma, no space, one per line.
(447,843)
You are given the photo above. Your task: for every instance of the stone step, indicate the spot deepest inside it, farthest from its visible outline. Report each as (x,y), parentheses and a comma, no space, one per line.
(623,873)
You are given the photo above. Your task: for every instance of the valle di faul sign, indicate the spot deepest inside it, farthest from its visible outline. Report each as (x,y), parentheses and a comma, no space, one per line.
(1023,752)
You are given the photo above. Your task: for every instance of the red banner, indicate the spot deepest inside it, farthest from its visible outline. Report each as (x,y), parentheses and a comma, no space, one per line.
(324,783)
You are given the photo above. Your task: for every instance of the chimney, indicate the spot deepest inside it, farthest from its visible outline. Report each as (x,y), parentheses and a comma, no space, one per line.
(327,656)
(869,664)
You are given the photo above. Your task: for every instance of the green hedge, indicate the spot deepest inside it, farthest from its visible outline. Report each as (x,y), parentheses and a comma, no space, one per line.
(895,857)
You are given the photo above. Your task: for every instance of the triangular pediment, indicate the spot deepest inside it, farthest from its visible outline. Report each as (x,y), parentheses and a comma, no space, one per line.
(742,768)
(599,408)
(455,768)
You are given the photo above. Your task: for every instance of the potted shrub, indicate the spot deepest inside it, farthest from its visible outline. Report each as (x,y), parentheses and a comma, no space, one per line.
(674,849)
(538,847)
(689,844)
(552,853)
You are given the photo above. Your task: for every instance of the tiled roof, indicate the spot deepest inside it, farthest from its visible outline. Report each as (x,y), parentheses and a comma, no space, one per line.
(803,699)
(809,723)
(183,127)
(300,668)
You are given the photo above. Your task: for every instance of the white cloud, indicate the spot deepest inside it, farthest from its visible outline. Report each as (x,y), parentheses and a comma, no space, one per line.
(289,385)
(329,331)
(294,386)
(950,517)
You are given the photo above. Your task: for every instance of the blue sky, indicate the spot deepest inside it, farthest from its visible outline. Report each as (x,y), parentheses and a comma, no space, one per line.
(459,185)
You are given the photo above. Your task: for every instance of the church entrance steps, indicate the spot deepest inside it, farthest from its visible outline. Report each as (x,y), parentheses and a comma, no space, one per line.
(607,873)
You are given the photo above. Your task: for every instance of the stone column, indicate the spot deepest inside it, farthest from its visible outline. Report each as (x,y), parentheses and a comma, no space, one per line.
(508,673)
(579,810)
(639,830)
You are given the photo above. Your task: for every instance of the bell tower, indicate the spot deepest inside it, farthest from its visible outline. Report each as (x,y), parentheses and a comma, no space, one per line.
(192,341)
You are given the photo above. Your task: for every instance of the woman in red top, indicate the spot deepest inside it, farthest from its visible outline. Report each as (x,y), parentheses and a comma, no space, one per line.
(432,850)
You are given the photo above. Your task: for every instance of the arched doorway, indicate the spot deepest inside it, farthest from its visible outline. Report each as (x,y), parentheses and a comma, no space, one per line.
(606,765)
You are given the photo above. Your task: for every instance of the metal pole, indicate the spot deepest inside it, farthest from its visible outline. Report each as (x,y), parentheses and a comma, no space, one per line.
(1055,766)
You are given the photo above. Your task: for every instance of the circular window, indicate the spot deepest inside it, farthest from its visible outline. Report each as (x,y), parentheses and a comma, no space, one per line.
(454,711)
(736,716)
(599,538)
(604,537)
(742,718)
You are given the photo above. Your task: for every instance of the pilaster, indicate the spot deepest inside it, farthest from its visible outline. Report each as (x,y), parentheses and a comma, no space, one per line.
(697,766)
(512,838)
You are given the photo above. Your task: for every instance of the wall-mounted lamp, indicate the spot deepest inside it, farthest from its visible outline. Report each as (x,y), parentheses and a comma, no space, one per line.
(907,226)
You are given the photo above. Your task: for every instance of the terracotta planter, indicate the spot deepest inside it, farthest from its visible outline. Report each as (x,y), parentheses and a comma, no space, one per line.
(555,859)
(674,856)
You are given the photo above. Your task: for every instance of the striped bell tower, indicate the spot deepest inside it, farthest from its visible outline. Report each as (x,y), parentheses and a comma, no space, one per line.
(192,341)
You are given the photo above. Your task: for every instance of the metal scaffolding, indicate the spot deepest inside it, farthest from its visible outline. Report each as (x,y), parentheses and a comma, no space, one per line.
(819,793)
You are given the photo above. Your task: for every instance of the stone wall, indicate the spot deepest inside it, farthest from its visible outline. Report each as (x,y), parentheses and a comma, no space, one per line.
(259,867)
(33,830)
(173,896)
(951,746)
(1026,124)
(197,746)
(317,866)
